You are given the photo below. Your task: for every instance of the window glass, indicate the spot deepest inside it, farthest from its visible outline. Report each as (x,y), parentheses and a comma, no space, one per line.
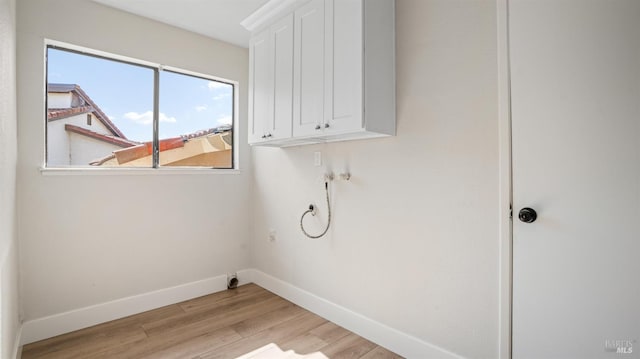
(100,113)
(196,121)
(117,96)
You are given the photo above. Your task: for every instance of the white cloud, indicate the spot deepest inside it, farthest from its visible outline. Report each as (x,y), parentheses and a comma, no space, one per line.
(146,118)
(216,85)
(111,117)
(201,108)
(221,96)
(165,118)
(141,118)
(225,120)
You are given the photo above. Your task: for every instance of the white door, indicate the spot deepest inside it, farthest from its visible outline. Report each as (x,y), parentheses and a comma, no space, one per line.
(575,68)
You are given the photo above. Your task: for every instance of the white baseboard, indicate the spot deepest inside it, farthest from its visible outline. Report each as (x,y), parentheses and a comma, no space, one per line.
(47,327)
(392,339)
(17,347)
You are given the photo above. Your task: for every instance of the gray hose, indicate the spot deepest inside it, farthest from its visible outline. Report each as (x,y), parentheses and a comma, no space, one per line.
(326,188)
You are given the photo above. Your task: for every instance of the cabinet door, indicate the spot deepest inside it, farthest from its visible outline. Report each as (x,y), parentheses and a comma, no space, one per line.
(281,44)
(308,75)
(260,84)
(344,66)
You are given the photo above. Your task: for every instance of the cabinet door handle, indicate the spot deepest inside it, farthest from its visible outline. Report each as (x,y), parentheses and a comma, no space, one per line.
(318,127)
(264,136)
(269,135)
(326,125)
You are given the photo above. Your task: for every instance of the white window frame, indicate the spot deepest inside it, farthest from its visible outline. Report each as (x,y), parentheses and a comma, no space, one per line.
(87,170)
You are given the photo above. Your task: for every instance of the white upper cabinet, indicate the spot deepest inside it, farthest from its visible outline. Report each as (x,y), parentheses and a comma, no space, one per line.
(281,44)
(271,81)
(343,71)
(308,68)
(344,67)
(259,79)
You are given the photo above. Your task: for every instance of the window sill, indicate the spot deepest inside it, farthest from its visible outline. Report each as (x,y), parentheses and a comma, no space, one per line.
(80,171)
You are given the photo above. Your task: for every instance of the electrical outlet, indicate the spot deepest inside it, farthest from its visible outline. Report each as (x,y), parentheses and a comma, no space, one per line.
(272,235)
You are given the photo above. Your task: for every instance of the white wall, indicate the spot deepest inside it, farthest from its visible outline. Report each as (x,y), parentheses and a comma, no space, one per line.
(9,306)
(68,148)
(59,100)
(414,238)
(85,150)
(88,239)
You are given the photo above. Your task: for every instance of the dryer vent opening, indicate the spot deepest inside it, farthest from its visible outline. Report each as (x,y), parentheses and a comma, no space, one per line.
(232,281)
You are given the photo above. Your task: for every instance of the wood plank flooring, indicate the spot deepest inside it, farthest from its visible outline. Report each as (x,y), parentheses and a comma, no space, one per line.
(226,324)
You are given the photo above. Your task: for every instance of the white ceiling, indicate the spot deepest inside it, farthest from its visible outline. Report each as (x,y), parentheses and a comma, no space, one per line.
(219,19)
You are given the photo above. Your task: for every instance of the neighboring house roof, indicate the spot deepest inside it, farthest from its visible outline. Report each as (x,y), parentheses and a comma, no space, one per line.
(98,136)
(215,130)
(54,114)
(209,146)
(146,149)
(61,113)
(212,140)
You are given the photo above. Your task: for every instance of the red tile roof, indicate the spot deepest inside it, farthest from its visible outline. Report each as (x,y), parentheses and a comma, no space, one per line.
(102,117)
(141,150)
(98,136)
(60,113)
(146,149)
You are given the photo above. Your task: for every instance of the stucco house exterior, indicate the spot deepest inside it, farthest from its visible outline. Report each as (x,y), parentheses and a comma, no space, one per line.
(80,134)
(205,148)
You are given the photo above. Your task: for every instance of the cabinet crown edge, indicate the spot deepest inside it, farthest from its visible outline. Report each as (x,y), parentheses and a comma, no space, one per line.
(267,13)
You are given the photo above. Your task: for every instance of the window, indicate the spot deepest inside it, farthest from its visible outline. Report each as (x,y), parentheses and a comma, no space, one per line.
(106,112)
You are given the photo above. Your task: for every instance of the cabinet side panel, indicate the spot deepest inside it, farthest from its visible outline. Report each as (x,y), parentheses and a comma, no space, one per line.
(379,66)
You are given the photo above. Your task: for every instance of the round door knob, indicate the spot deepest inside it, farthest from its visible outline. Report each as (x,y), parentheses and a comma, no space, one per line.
(527,215)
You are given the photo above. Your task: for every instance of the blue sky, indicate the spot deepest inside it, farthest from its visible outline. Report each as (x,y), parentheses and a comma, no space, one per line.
(125,93)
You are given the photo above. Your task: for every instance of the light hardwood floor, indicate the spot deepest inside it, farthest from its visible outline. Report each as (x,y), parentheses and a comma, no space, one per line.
(226,324)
